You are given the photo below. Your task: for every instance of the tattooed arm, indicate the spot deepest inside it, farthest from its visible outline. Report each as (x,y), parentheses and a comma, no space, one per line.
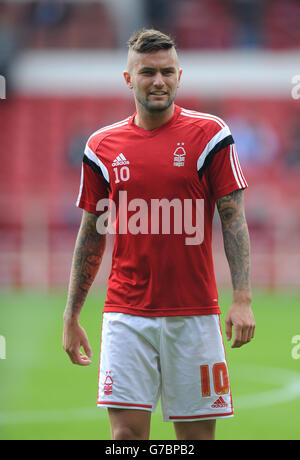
(237,249)
(89,249)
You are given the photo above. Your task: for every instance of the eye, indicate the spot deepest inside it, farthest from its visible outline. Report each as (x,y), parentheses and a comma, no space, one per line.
(147,72)
(168,72)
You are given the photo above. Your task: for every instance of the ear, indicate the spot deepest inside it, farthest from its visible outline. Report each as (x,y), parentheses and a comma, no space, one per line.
(127,78)
(179,78)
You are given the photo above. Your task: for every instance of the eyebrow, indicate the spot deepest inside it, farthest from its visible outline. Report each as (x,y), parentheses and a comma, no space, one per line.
(143,69)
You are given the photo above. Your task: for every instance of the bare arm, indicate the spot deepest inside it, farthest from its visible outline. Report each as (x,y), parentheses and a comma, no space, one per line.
(88,253)
(237,249)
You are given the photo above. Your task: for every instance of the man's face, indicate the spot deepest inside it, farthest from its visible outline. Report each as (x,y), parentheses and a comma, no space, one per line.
(154,78)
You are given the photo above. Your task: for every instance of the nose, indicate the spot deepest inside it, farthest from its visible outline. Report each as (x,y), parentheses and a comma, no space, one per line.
(158,80)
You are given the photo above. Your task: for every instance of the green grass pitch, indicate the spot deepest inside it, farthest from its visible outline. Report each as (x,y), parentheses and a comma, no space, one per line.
(43,396)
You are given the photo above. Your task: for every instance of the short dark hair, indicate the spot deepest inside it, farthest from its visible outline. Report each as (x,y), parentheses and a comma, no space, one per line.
(147,40)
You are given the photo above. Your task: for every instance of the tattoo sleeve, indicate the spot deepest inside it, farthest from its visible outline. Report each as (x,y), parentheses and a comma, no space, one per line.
(88,253)
(236,238)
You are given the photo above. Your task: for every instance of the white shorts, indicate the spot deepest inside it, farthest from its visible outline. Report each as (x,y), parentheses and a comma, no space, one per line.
(180,359)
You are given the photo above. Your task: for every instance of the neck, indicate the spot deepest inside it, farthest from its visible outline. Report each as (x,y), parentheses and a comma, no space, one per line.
(152,120)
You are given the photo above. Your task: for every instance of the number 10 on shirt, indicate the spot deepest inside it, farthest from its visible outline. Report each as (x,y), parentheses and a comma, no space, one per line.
(123,174)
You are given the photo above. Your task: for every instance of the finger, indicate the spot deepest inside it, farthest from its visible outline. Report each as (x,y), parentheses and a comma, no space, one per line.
(84,357)
(252,332)
(249,336)
(83,360)
(78,358)
(228,330)
(237,343)
(246,335)
(73,355)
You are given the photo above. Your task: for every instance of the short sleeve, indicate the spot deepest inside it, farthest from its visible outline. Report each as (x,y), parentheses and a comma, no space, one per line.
(94,184)
(225,173)
(219,160)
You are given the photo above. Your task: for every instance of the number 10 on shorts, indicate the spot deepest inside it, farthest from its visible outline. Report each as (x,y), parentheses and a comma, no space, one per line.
(219,376)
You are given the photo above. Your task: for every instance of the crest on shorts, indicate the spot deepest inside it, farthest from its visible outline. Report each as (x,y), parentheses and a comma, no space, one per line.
(108,383)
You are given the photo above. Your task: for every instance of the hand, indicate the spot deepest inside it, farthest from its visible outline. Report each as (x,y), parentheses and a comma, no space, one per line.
(240,316)
(75,337)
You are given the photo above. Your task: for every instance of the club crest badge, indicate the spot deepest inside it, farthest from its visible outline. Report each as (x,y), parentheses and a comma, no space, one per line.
(108,383)
(179,155)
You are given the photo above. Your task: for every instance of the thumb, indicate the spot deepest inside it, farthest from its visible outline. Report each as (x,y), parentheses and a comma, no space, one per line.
(86,346)
(87,349)
(85,343)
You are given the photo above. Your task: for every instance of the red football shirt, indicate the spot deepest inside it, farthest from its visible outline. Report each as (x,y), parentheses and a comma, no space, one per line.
(162,186)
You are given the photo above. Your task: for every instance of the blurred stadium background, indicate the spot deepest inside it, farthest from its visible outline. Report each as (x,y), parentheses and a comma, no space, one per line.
(63,62)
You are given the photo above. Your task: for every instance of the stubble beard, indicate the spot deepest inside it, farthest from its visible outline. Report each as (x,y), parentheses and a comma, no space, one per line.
(152,107)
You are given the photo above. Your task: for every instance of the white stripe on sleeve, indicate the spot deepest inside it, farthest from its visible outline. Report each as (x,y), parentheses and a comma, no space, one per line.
(233,167)
(239,169)
(93,157)
(225,132)
(81,186)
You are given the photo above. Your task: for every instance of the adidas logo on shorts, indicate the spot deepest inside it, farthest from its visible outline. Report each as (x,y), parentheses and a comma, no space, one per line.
(219,403)
(120,160)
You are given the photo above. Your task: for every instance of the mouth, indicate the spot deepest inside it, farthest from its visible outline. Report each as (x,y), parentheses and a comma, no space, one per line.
(158,93)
